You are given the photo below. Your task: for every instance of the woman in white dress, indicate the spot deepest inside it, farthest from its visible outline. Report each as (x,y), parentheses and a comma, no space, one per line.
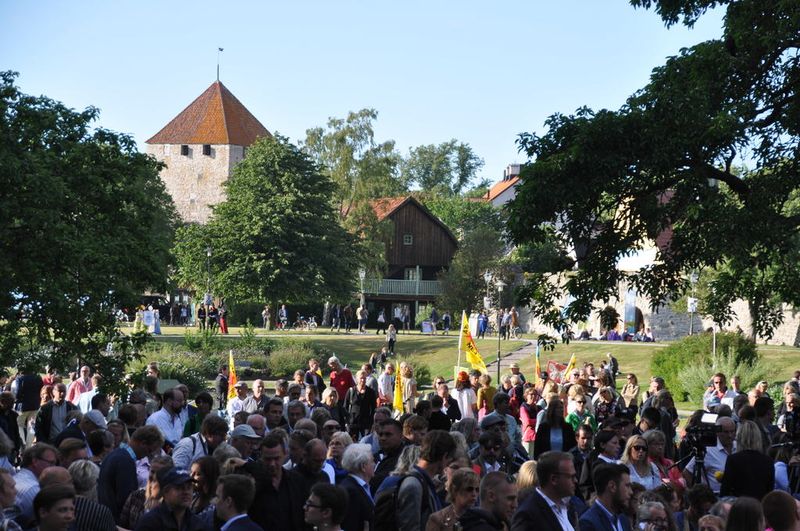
(466,397)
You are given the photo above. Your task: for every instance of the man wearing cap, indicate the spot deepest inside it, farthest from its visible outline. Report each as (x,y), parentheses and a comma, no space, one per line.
(236,404)
(514,367)
(173,513)
(90,422)
(213,431)
(168,419)
(501,402)
(244,439)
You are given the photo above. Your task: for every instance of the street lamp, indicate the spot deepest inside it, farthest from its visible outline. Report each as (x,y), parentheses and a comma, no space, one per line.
(208,275)
(500,285)
(692,302)
(362,274)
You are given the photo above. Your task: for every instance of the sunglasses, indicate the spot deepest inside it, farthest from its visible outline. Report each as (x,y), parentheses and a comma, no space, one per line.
(580,401)
(640,448)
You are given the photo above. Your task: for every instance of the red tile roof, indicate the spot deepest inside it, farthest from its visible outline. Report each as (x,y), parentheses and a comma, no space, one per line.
(215,117)
(386,205)
(501,187)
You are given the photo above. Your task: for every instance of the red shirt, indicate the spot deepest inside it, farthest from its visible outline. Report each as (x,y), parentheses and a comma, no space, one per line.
(342,381)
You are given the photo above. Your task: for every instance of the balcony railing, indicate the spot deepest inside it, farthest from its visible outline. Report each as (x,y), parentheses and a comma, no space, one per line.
(387,286)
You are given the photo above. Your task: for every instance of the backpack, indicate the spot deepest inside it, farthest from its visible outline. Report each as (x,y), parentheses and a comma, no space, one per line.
(385,513)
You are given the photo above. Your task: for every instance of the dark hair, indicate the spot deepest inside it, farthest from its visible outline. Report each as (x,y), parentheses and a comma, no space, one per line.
(128,414)
(548,465)
(605,473)
(780,510)
(273,439)
(333,498)
(700,494)
(240,488)
(36,452)
(746,515)
(500,397)
(414,422)
(422,407)
(393,423)
(437,402)
(98,398)
(586,428)
(149,435)
(652,416)
(210,469)
(213,425)
(763,405)
(51,495)
(275,402)
(204,396)
(602,437)
(436,445)
(746,412)
(97,441)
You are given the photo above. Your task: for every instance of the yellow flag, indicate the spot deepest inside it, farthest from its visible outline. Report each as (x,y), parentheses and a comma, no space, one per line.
(231,376)
(397,403)
(470,348)
(571,365)
(538,377)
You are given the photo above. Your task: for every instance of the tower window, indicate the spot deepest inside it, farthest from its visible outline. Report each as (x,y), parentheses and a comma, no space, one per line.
(207,150)
(185,150)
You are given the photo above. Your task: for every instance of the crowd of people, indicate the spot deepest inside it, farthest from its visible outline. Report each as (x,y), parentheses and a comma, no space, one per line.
(372,450)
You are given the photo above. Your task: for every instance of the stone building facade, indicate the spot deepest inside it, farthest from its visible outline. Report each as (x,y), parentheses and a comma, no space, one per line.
(200,147)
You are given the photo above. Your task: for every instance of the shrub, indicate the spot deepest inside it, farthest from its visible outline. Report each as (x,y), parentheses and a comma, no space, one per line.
(694,377)
(292,354)
(696,349)
(423,314)
(422,373)
(207,341)
(189,368)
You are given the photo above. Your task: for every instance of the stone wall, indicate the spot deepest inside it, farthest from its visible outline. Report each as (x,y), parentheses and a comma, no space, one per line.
(668,325)
(195,180)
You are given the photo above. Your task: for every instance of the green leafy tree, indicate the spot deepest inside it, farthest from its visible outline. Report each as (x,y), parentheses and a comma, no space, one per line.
(361,170)
(660,169)
(88,227)
(275,237)
(445,169)
(463,215)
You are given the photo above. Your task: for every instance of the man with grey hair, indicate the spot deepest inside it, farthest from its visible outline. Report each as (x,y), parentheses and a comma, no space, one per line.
(341,378)
(295,411)
(654,514)
(89,514)
(52,417)
(360,465)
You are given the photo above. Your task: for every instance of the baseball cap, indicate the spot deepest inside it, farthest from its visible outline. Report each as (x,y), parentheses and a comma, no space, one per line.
(244,430)
(172,476)
(491,420)
(514,366)
(96,418)
(240,384)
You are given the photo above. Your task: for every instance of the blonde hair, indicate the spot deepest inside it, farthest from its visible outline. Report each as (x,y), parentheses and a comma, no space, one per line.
(526,478)
(632,440)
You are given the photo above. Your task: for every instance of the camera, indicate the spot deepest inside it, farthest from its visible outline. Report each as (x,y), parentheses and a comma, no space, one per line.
(703,435)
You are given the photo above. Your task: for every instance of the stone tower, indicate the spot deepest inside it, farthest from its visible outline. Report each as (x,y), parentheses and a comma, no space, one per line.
(200,147)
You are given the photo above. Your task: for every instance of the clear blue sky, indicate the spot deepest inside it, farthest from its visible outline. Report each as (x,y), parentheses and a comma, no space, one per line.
(481,72)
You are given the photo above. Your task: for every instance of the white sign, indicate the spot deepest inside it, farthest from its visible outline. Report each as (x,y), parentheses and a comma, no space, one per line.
(691,304)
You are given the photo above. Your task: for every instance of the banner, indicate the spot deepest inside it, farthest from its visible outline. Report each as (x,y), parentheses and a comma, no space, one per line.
(470,348)
(573,360)
(397,403)
(231,376)
(538,368)
(556,371)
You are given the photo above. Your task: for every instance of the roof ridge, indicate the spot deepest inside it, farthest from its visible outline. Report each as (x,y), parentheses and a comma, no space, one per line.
(221,88)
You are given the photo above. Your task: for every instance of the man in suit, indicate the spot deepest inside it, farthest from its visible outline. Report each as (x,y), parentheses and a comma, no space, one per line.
(359,463)
(612,484)
(52,417)
(235,494)
(548,507)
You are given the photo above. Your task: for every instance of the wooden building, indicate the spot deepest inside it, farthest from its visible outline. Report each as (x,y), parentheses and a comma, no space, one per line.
(420,248)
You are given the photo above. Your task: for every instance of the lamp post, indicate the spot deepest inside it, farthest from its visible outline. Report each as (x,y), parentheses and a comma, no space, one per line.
(692,303)
(208,275)
(362,274)
(500,285)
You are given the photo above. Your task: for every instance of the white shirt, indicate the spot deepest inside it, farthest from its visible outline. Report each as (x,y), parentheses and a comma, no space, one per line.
(386,384)
(648,481)
(559,509)
(466,398)
(170,425)
(715,460)
(188,450)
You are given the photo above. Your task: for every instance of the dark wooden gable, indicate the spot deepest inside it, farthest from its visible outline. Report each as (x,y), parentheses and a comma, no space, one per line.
(432,243)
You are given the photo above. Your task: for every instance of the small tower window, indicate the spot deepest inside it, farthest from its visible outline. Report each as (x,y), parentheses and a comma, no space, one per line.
(207,150)
(185,150)
(408,239)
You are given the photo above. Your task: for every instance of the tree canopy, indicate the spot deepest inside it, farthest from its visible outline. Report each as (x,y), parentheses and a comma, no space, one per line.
(88,227)
(445,169)
(275,237)
(660,169)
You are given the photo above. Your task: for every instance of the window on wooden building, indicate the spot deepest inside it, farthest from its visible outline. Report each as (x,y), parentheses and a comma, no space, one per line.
(408,239)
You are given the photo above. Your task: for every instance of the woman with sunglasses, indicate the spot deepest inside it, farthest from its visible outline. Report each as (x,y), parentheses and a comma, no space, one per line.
(656,443)
(642,470)
(462,493)
(581,414)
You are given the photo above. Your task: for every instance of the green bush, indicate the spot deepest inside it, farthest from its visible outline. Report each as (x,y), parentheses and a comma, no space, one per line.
(423,314)
(292,354)
(207,341)
(694,377)
(190,368)
(422,373)
(696,349)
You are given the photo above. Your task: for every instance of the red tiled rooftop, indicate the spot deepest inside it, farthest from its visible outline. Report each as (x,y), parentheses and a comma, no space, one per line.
(215,117)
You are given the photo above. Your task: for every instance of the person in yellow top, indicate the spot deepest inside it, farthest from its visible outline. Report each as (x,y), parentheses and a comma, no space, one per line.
(485,394)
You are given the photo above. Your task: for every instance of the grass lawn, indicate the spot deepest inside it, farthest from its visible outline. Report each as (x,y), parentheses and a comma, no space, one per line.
(439,353)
